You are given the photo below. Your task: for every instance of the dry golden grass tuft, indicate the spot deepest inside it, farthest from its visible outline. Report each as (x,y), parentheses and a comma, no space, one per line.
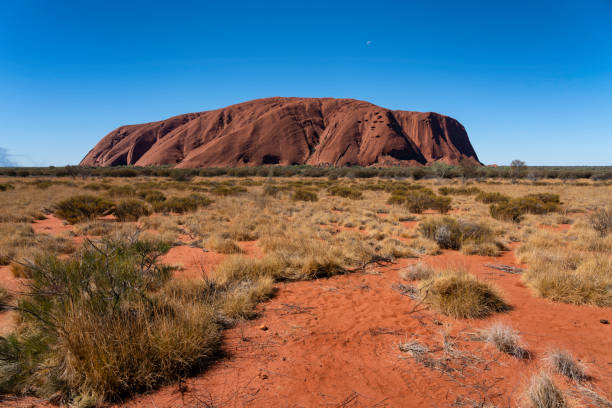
(223,245)
(457,293)
(564,363)
(544,393)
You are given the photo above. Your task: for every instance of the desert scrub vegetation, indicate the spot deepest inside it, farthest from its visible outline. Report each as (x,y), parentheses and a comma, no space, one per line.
(505,339)
(514,209)
(18,242)
(82,208)
(450,233)
(223,245)
(181,205)
(417,271)
(418,199)
(303,194)
(347,192)
(489,198)
(577,271)
(106,323)
(544,393)
(564,363)
(459,190)
(601,221)
(131,210)
(459,294)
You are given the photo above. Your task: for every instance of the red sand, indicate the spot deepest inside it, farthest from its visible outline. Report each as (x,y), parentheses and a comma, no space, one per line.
(333,342)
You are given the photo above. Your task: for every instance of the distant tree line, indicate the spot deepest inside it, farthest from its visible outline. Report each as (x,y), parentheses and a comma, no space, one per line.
(517,170)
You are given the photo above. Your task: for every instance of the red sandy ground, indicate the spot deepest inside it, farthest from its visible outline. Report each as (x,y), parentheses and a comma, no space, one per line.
(333,342)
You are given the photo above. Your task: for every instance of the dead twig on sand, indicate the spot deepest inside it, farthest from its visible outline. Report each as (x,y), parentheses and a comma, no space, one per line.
(506,268)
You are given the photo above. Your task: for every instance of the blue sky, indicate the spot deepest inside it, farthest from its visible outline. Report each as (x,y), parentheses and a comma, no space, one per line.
(528,79)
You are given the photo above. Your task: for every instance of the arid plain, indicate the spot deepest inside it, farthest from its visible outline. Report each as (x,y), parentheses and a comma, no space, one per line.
(305,291)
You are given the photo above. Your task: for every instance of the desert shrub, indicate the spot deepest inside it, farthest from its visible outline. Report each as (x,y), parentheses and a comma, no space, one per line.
(544,393)
(420,200)
(121,191)
(505,339)
(5,297)
(101,326)
(418,271)
(393,248)
(181,205)
(6,186)
(18,242)
(271,190)
(514,209)
(459,190)
(152,196)
(346,192)
(228,190)
(601,221)
(564,363)
(223,245)
(82,207)
(458,294)
(489,198)
(131,210)
(304,195)
(545,197)
(450,233)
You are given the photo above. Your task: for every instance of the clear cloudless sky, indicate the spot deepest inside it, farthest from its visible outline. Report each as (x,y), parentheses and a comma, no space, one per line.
(528,79)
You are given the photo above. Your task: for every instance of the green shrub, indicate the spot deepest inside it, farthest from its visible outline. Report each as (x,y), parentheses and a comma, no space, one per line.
(82,207)
(228,190)
(131,210)
(461,295)
(6,186)
(514,209)
(420,200)
(106,324)
(181,205)
(459,191)
(489,198)
(304,195)
(345,192)
(152,196)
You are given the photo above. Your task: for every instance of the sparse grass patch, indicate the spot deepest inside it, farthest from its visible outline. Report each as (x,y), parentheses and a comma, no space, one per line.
(223,245)
(505,339)
(458,294)
(564,363)
(544,393)
(83,207)
(418,271)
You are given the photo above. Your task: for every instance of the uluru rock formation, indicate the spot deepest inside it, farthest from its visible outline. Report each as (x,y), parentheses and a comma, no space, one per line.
(315,131)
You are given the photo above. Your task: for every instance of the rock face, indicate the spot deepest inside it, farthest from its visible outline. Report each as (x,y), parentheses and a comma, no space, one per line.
(315,131)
